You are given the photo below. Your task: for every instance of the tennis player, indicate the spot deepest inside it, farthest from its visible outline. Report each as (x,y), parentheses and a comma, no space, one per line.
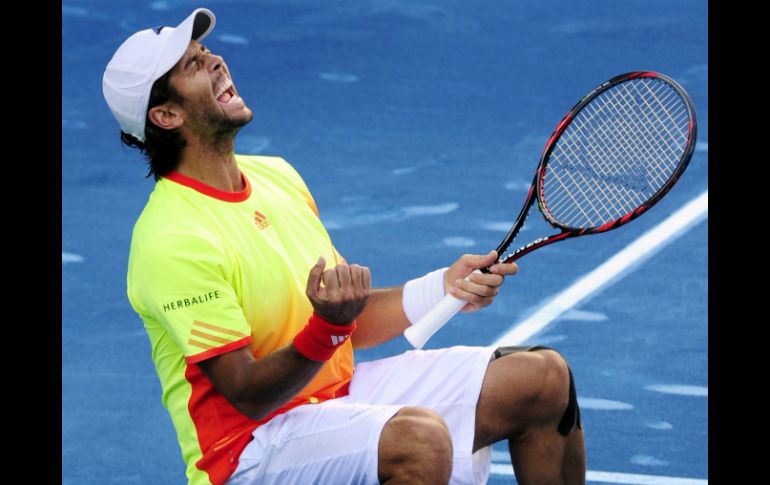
(253,314)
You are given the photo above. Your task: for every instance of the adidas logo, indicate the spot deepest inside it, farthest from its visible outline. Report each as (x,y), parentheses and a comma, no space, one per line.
(338,339)
(260,220)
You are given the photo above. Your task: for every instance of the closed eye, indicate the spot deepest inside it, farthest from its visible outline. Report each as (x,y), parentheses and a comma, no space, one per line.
(193,60)
(196,58)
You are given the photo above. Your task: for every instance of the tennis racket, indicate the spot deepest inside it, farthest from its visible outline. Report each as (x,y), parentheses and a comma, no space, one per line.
(615,154)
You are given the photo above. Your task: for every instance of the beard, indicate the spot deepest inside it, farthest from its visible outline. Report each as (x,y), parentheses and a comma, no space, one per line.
(212,122)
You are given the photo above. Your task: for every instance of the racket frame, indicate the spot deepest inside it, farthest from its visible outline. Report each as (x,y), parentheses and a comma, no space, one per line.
(536,190)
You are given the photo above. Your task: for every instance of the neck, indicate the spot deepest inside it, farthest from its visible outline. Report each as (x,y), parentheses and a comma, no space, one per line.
(212,164)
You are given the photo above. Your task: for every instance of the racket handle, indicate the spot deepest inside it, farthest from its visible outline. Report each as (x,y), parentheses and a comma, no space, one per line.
(424,328)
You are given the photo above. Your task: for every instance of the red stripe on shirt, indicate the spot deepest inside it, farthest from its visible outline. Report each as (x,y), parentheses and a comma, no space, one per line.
(205,189)
(194,359)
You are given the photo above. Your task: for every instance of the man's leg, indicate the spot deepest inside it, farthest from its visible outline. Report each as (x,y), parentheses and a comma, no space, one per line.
(523,399)
(415,448)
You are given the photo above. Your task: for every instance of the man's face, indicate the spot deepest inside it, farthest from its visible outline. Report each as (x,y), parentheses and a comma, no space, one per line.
(211,105)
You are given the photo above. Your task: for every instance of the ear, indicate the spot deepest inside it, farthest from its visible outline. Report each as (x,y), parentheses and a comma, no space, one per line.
(166,116)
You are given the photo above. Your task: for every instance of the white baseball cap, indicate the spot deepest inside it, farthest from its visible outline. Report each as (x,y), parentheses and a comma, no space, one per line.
(141,60)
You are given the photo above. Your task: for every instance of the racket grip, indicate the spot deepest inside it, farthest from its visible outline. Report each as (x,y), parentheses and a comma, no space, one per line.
(425,327)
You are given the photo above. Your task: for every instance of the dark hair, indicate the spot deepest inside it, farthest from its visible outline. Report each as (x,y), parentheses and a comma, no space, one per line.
(162,148)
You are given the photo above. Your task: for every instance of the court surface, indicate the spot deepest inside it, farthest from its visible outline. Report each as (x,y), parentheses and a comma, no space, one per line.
(417,126)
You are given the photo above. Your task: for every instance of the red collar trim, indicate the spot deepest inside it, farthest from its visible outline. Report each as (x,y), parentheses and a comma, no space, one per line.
(211,191)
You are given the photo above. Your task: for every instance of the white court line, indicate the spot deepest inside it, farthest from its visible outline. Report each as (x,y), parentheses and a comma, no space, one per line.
(652,241)
(612,477)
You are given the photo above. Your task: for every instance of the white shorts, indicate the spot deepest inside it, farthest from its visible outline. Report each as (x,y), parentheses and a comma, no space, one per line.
(336,442)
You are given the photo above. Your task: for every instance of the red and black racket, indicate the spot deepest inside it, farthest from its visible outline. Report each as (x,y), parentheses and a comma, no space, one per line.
(616,153)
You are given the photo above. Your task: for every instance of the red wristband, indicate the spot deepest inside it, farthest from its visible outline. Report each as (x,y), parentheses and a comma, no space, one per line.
(319,339)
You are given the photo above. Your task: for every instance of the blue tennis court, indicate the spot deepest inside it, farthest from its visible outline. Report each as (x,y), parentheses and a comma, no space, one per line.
(417,126)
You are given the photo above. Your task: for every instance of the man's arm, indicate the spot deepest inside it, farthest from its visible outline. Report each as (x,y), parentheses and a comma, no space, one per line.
(258,387)
(383,317)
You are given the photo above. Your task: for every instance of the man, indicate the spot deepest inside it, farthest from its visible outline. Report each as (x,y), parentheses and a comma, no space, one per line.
(253,314)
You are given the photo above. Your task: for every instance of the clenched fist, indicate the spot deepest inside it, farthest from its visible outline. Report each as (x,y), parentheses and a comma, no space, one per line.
(339,294)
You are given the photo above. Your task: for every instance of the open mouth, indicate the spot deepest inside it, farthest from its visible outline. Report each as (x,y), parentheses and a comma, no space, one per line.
(225,92)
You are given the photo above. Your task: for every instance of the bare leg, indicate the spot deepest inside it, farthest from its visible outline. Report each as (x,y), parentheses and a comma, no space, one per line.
(523,398)
(415,448)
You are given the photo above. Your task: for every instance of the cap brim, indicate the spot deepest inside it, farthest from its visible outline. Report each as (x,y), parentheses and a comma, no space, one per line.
(203,23)
(195,27)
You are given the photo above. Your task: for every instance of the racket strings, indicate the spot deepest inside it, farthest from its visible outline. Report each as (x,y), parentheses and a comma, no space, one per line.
(599,207)
(616,153)
(656,139)
(621,149)
(578,180)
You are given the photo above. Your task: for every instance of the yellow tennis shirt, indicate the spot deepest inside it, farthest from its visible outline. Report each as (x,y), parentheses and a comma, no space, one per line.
(210,272)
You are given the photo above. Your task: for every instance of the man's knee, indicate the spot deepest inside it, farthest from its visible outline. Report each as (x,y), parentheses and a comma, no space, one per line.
(562,391)
(415,447)
(555,377)
(554,396)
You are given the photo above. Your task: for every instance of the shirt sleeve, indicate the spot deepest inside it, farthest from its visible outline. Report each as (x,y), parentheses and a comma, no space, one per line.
(182,282)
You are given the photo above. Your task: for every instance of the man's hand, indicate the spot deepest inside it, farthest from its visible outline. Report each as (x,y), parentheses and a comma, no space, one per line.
(339,294)
(481,289)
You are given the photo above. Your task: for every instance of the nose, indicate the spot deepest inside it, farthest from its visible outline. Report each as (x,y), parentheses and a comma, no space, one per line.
(215,62)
